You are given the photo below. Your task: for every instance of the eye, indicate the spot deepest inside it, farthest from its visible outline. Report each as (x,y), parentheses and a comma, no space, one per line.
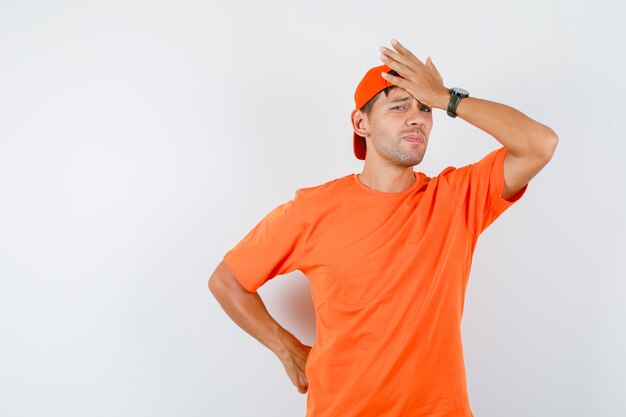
(427,109)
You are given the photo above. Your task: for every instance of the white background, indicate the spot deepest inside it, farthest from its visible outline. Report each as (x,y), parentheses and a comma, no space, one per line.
(139,141)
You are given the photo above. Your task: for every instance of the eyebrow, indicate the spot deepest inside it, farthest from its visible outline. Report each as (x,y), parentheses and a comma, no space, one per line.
(406,98)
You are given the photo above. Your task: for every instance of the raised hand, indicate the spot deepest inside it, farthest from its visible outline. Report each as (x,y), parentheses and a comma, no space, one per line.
(422,81)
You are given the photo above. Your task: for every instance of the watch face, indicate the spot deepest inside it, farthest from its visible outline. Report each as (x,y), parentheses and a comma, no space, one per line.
(460,91)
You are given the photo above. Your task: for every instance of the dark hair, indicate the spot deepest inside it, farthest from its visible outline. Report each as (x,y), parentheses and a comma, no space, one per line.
(367,107)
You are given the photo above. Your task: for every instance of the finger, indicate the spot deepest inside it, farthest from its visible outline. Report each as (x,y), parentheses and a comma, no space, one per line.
(433,71)
(432,65)
(430,68)
(303,386)
(404,51)
(393,55)
(399,81)
(393,64)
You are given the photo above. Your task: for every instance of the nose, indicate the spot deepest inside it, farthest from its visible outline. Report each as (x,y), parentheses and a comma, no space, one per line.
(415,116)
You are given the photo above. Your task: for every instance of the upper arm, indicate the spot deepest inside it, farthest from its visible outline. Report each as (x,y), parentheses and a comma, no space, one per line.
(224,278)
(519,170)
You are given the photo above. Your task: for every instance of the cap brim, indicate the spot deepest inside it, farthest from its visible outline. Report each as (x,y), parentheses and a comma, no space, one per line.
(359,146)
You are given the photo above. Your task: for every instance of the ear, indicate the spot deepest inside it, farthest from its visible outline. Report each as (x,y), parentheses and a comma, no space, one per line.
(359,123)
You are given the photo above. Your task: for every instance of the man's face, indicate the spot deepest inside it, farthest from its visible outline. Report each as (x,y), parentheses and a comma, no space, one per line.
(392,119)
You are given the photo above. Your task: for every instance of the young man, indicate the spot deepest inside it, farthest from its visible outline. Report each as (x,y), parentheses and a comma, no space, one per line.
(387,252)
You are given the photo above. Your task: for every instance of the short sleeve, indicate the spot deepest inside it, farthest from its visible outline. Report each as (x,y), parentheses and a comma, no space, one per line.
(478,189)
(273,247)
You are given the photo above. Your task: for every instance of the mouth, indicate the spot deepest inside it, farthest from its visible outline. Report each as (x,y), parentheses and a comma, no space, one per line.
(414,138)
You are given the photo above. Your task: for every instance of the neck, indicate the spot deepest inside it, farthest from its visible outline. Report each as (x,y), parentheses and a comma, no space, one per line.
(387,178)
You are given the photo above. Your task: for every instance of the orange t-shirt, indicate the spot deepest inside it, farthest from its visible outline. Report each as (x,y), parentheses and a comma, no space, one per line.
(388,273)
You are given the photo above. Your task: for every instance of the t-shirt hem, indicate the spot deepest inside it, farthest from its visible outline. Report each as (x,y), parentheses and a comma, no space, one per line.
(237,272)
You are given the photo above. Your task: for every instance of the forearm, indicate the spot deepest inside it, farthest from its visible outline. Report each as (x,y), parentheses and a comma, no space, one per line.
(520,134)
(248,311)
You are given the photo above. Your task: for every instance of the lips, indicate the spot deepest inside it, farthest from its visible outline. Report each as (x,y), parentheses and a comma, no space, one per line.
(414,138)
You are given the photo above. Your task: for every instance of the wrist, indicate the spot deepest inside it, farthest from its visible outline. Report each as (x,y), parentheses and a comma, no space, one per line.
(443,99)
(284,342)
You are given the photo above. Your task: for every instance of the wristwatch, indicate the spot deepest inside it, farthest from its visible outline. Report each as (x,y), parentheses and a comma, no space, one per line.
(456,94)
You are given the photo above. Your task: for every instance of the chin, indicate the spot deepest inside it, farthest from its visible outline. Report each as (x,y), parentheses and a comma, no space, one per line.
(409,163)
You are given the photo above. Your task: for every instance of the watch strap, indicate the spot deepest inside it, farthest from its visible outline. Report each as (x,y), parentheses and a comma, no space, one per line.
(452,105)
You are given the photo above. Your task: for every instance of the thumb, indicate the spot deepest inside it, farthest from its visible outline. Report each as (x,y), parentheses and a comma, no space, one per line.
(433,69)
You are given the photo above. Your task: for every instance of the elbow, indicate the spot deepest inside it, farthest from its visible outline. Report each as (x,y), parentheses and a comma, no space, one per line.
(223,280)
(552,142)
(545,143)
(212,284)
(216,283)
(218,288)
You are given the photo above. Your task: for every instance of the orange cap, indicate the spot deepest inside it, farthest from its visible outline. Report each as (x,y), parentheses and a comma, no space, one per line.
(371,84)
